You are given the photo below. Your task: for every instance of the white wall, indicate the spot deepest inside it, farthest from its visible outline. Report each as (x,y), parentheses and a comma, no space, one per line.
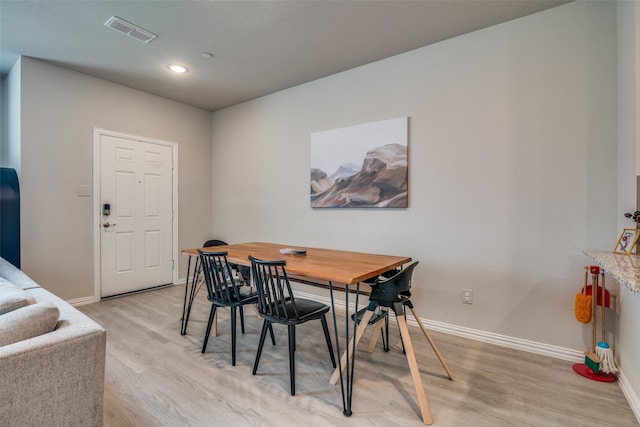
(628,310)
(59,110)
(512,168)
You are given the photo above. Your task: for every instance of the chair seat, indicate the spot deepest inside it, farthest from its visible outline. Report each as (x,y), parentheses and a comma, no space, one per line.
(377,315)
(248,295)
(307,310)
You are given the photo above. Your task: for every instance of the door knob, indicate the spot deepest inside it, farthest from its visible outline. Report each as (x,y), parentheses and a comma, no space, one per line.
(106,224)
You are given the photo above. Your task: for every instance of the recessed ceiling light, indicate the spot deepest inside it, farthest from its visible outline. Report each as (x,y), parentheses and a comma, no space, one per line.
(207,55)
(177,68)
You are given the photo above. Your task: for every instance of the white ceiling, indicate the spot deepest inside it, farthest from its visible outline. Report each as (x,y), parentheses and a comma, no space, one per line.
(259,47)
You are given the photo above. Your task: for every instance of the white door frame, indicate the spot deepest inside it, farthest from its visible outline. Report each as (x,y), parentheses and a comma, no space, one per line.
(97,200)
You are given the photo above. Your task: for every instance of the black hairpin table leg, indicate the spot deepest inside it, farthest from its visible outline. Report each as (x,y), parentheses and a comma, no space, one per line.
(190,289)
(346,379)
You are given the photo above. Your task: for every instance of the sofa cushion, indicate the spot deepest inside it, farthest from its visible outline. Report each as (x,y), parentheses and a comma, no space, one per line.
(28,322)
(12,297)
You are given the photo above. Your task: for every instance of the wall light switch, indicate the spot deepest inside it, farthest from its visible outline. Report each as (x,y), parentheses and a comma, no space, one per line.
(84,190)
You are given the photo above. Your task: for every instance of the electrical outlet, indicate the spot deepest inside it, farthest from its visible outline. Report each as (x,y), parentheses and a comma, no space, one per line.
(467,296)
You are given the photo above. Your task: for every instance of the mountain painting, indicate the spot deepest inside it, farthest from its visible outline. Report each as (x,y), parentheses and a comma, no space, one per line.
(363,166)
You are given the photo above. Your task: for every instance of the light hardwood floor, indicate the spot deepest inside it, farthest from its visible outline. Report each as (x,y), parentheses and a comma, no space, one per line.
(157,377)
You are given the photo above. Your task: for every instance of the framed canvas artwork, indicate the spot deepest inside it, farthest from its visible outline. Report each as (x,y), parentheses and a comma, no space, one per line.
(362,166)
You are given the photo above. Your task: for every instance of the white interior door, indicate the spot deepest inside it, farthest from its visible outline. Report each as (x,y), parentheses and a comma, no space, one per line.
(136,237)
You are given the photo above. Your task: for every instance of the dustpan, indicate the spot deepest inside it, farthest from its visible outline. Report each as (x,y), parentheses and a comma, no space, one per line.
(588,290)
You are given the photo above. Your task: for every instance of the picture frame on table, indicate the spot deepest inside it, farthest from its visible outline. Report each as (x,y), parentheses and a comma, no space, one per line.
(627,241)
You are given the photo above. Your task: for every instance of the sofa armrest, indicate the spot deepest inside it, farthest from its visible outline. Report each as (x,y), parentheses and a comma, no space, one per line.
(54,379)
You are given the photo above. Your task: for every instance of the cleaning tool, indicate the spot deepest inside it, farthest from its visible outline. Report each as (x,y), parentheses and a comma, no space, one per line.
(607,364)
(591,359)
(604,352)
(593,366)
(583,302)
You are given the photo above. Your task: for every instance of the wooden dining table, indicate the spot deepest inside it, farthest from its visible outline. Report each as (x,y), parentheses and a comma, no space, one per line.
(331,268)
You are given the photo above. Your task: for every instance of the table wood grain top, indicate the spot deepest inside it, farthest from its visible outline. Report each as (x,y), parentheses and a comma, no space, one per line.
(345,267)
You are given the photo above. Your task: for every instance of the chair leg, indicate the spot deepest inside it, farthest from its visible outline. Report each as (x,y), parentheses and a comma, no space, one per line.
(292,358)
(413,366)
(385,336)
(242,319)
(377,331)
(325,328)
(292,335)
(433,344)
(233,336)
(361,328)
(404,351)
(212,314)
(273,338)
(215,325)
(265,325)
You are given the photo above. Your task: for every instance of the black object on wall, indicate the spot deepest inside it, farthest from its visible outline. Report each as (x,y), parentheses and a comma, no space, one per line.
(9,216)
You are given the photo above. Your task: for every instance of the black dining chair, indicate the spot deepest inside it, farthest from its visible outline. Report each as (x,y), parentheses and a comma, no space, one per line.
(214,242)
(244,271)
(394,293)
(196,283)
(224,291)
(277,304)
(243,274)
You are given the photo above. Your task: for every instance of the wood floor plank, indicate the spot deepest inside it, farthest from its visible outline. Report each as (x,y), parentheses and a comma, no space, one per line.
(157,377)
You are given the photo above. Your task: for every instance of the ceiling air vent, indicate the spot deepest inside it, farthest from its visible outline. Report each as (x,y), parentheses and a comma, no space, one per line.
(129,29)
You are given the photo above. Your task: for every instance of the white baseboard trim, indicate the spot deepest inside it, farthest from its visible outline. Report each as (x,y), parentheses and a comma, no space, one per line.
(630,394)
(478,335)
(504,340)
(557,352)
(83,301)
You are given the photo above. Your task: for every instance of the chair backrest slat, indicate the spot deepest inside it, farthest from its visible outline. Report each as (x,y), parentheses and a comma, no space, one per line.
(275,297)
(218,276)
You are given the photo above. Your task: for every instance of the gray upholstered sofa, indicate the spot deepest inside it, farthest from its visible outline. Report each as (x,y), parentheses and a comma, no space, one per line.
(52,357)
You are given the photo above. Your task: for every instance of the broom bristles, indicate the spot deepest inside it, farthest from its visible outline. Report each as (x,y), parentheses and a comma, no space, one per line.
(607,363)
